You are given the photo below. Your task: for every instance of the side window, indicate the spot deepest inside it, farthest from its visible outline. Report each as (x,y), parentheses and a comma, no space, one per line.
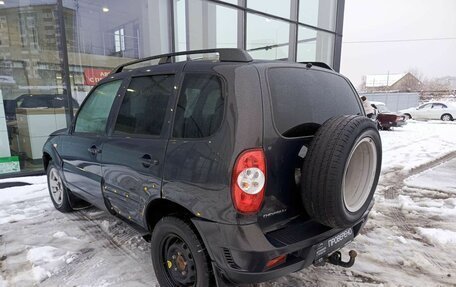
(438,106)
(200,107)
(426,106)
(144,106)
(94,114)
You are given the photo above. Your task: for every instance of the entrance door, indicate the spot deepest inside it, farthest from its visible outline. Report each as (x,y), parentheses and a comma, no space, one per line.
(133,154)
(82,148)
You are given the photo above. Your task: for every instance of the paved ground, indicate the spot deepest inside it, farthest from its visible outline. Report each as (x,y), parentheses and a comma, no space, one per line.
(409,240)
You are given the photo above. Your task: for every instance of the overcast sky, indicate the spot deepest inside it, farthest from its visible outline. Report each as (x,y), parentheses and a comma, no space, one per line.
(379,37)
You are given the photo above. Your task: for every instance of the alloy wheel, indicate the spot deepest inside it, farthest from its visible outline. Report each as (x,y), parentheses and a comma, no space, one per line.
(56,186)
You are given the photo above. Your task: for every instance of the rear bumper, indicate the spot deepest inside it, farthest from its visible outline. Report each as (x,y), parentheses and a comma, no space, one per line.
(399,123)
(240,252)
(389,124)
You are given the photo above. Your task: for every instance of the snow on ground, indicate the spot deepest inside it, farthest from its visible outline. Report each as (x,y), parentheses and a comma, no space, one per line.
(409,240)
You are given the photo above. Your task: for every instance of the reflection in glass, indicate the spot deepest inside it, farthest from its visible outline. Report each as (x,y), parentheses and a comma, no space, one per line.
(318,13)
(267,38)
(235,2)
(180,26)
(278,8)
(208,25)
(315,45)
(101,36)
(31,87)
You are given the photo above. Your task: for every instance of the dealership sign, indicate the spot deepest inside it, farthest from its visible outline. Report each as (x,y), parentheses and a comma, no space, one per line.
(93,76)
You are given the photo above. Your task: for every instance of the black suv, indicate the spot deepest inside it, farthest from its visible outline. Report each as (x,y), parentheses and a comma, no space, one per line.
(237,171)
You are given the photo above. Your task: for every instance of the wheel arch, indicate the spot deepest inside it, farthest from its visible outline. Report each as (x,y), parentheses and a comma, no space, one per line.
(160,207)
(46,159)
(447,113)
(50,153)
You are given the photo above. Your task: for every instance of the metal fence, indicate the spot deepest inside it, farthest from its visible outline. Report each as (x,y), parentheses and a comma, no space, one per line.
(395,101)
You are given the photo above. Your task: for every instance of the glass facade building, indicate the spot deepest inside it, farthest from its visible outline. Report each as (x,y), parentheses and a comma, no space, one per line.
(52,52)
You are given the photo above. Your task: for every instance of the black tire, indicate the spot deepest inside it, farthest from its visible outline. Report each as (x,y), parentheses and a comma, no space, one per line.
(340,147)
(62,202)
(446,117)
(192,252)
(407,116)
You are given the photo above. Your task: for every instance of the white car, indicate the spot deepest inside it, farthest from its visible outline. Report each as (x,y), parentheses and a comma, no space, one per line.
(432,111)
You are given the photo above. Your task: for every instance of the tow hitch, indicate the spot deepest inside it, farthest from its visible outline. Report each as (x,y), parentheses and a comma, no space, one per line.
(336,259)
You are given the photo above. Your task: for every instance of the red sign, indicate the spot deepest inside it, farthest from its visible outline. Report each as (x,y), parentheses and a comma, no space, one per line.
(93,76)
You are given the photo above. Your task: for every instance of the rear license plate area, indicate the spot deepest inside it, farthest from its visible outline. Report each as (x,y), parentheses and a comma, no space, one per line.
(336,242)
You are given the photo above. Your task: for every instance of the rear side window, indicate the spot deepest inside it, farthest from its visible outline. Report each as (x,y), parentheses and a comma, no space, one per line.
(144,106)
(302,99)
(200,107)
(94,114)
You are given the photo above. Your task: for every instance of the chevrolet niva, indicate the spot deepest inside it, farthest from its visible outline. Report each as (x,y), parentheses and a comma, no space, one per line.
(236,170)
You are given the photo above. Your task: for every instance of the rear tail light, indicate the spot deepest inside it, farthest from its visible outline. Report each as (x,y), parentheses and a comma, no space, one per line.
(249,180)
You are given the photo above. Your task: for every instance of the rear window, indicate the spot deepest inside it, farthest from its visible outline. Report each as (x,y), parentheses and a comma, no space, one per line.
(303,99)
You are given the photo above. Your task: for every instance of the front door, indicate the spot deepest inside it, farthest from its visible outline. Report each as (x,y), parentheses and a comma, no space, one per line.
(133,154)
(81,150)
(423,112)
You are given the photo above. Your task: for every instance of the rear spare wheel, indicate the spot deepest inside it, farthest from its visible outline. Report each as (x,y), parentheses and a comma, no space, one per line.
(341,170)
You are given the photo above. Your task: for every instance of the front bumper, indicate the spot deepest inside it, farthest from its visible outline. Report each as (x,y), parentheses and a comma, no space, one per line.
(241,252)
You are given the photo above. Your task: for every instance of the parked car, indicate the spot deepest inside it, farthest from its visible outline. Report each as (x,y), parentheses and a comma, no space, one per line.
(432,111)
(386,118)
(35,101)
(236,171)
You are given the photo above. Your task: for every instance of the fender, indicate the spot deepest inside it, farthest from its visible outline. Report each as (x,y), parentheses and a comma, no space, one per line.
(51,148)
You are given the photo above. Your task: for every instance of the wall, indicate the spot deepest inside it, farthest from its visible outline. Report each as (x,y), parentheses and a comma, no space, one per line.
(395,101)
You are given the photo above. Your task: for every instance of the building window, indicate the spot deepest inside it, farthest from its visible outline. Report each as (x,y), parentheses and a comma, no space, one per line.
(280,8)
(203,25)
(4,36)
(119,40)
(318,13)
(315,45)
(28,30)
(267,38)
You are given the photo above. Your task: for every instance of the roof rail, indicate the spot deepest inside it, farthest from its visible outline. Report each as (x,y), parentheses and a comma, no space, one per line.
(225,55)
(318,64)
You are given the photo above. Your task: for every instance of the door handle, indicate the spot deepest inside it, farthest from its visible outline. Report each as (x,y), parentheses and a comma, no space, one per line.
(94,150)
(147,161)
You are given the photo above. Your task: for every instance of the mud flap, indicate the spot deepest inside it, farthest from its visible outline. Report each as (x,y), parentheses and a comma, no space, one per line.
(220,280)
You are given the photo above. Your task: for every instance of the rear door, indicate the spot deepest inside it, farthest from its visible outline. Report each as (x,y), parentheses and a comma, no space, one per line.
(133,154)
(437,111)
(300,100)
(81,149)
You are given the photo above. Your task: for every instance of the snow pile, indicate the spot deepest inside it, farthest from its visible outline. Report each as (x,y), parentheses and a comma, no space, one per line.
(443,208)
(2,282)
(438,236)
(440,178)
(47,260)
